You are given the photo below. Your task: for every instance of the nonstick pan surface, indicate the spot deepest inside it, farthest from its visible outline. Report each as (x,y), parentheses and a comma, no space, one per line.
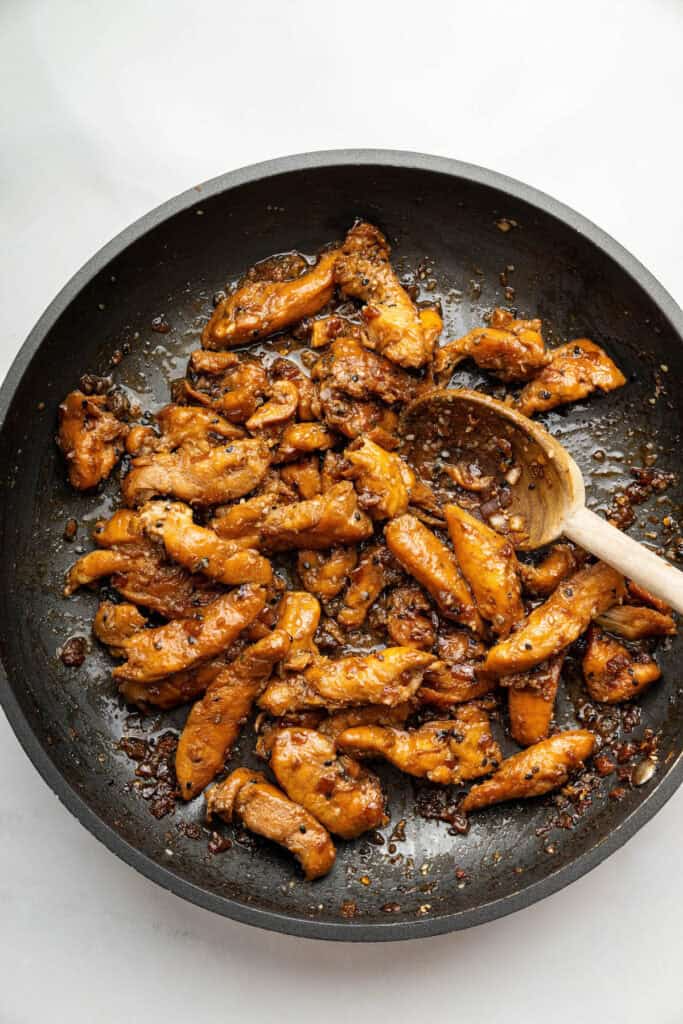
(447,218)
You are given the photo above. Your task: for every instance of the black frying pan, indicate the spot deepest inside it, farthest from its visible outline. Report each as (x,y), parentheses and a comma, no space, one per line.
(69,721)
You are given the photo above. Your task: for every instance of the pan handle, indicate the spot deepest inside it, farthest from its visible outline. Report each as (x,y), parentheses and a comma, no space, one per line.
(626,555)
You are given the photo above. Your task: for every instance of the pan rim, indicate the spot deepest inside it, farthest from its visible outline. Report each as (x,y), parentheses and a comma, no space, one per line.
(272,920)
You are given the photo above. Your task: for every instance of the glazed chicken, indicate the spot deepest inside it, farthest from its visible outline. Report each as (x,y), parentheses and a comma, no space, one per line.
(115,623)
(299,616)
(300,439)
(538,769)
(561,561)
(574,372)
(510,349)
(410,621)
(174,690)
(221,381)
(303,475)
(635,622)
(338,791)
(248,797)
(91,439)
(447,752)
(332,518)
(182,425)
(326,573)
(367,581)
(372,714)
(382,479)
(531,700)
(359,373)
(448,683)
(612,672)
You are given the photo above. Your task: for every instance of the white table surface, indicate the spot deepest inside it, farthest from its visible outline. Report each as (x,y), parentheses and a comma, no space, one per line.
(107,110)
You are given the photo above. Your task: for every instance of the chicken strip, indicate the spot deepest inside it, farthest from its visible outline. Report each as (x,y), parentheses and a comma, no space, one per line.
(176,689)
(326,573)
(236,391)
(215,721)
(260,308)
(349,367)
(355,418)
(202,550)
(373,714)
(242,521)
(265,810)
(304,475)
(447,683)
(644,596)
(489,565)
(433,565)
(634,622)
(410,618)
(299,617)
(534,771)
(308,407)
(188,425)
(323,522)
(613,673)
(448,752)
(338,791)
(115,623)
(561,561)
(510,349)
(367,581)
(90,438)
(574,372)
(382,479)
(392,321)
(559,621)
(531,701)
(155,653)
(302,439)
(281,406)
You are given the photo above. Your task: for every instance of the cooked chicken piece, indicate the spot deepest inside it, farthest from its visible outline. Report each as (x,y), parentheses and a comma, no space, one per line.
(561,561)
(215,721)
(367,581)
(574,372)
(374,714)
(338,791)
(349,367)
(260,308)
(210,477)
(188,425)
(115,623)
(643,596)
(305,476)
(559,621)
(242,522)
(96,565)
(410,618)
(447,752)
(613,673)
(469,476)
(388,677)
(383,480)
(531,706)
(280,407)
(302,439)
(456,645)
(326,328)
(90,438)
(201,550)
(174,690)
(392,321)
(355,418)
(155,653)
(247,796)
(532,772)
(433,565)
(326,573)
(323,522)
(510,349)
(447,683)
(636,622)
(299,616)
(212,364)
(489,565)
(308,407)
(235,392)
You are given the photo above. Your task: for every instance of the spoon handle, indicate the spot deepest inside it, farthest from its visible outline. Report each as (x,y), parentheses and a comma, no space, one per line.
(634,560)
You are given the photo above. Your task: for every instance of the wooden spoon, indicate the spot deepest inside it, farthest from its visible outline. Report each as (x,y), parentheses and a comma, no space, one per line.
(548,492)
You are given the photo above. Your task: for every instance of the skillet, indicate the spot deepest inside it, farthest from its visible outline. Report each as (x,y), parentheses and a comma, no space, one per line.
(464,226)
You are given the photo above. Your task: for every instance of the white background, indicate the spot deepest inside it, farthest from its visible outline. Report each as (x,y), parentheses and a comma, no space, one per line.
(107,110)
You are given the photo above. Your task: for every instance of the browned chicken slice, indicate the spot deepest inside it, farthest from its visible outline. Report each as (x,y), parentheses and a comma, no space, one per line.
(260,308)
(531,701)
(373,714)
(448,752)
(367,581)
(235,391)
(635,622)
(174,690)
(304,475)
(96,565)
(300,439)
(242,521)
(392,321)
(90,438)
(308,407)
(574,372)
(299,617)
(410,620)
(489,564)
(388,677)
(561,561)
(215,721)
(382,479)
(188,425)
(326,573)
(509,348)
(201,550)
(326,328)
(282,405)
(447,683)
(323,522)
(613,673)
(559,621)
(210,477)
(338,791)
(355,418)
(349,367)
(534,771)
(434,566)
(641,595)
(248,797)
(115,623)
(155,653)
